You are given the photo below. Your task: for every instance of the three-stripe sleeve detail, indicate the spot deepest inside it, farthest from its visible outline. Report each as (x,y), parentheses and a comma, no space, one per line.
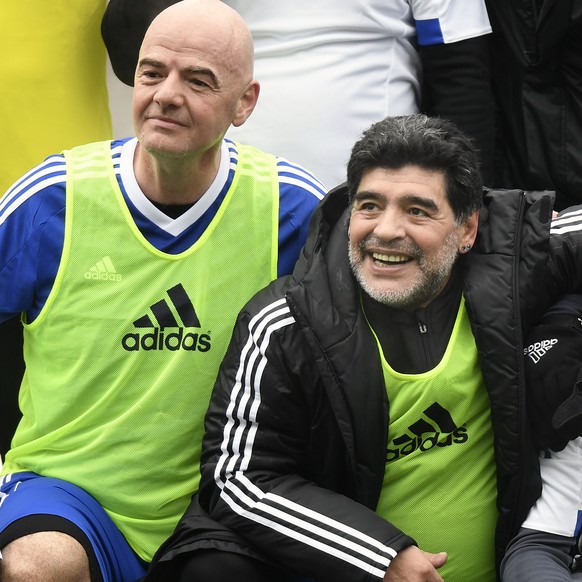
(274,511)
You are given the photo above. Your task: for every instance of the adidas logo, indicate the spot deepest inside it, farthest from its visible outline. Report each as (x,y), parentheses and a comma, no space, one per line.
(537,350)
(176,312)
(103,271)
(426,432)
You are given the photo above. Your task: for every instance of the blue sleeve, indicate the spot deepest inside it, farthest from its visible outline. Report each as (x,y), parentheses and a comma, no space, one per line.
(31,238)
(299,192)
(429,32)
(449,21)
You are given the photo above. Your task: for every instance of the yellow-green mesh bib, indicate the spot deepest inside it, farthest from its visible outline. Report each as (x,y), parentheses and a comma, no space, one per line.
(440,479)
(122,359)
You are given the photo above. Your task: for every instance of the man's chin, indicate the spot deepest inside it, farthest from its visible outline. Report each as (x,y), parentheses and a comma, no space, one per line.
(388,294)
(391,299)
(161,149)
(388,284)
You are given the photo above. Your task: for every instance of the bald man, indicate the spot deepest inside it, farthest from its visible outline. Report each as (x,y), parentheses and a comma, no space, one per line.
(128,262)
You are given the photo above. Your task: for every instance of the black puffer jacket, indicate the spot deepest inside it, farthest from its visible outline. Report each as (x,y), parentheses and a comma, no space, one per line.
(302,362)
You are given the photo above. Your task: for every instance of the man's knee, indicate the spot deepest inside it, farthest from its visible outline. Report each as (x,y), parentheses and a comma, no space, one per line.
(44,556)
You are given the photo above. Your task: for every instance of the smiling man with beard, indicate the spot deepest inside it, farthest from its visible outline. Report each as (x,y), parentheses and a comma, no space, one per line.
(397,251)
(367,421)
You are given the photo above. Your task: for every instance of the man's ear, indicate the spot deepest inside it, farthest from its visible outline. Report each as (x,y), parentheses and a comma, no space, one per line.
(247,103)
(469,229)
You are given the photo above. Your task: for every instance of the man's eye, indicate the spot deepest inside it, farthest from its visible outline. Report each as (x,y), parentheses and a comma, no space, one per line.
(150,74)
(199,83)
(417,212)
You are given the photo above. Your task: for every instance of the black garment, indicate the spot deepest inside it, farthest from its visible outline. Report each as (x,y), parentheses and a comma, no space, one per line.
(317,440)
(123,27)
(445,95)
(11,372)
(197,533)
(553,372)
(536,63)
(217,566)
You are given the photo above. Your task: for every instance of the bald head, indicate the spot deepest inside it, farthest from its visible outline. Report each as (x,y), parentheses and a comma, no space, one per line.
(194,79)
(212,23)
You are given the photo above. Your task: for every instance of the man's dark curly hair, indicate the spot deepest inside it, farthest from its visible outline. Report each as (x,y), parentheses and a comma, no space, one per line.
(429,142)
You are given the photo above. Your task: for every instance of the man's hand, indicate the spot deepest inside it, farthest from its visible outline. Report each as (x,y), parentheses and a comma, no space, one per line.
(414,565)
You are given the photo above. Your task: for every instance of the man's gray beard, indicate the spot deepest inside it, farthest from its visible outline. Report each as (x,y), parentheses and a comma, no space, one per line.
(428,283)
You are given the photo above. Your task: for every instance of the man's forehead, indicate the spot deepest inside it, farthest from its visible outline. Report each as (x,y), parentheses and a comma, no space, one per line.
(404,172)
(206,27)
(211,54)
(406,181)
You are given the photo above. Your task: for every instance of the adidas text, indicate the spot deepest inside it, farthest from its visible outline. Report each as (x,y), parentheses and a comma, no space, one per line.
(458,436)
(160,340)
(103,270)
(102,276)
(538,349)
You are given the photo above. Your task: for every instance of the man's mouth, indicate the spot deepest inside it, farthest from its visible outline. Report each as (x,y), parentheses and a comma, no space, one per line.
(164,120)
(388,259)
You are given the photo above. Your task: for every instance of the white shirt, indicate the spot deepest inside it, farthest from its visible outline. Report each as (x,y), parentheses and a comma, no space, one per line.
(329,69)
(559,509)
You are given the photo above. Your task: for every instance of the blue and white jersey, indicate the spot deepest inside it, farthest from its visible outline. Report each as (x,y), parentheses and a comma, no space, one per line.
(32,221)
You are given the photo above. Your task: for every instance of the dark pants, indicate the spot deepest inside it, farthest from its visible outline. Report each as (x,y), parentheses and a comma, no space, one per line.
(219,566)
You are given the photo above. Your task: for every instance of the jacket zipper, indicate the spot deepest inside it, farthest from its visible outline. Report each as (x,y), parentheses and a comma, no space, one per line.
(520,365)
(425,341)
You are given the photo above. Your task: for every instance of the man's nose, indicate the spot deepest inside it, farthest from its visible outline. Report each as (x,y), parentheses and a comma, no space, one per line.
(170,90)
(391,225)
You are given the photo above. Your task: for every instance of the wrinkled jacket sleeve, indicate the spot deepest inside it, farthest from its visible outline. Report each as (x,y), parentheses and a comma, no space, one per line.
(256,476)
